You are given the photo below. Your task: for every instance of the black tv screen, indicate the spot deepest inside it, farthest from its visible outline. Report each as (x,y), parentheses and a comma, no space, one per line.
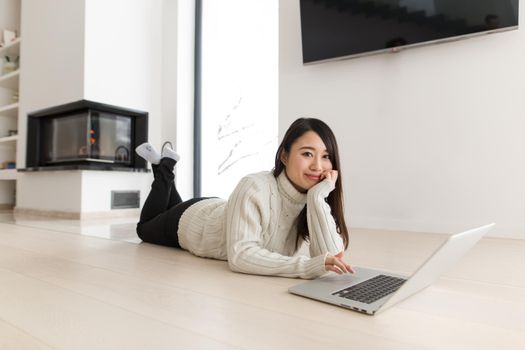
(333,29)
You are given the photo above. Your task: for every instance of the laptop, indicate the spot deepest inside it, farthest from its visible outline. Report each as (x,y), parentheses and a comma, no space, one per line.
(372,291)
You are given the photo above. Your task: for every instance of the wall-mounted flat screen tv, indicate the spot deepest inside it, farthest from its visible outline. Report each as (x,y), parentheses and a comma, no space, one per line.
(337,29)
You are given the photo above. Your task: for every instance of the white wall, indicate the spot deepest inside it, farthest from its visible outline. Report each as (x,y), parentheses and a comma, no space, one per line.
(123,61)
(178,87)
(85,192)
(105,51)
(431,138)
(51,58)
(97,186)
(52,73)
(169,71)
(123,67)
(38,191)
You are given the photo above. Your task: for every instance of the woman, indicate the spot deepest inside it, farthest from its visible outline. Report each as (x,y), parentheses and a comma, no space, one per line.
(267,217)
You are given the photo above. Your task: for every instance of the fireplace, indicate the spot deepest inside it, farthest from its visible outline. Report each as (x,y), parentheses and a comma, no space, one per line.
(86,135)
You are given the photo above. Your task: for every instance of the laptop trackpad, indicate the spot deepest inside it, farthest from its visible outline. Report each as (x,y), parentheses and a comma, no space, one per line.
(340,281)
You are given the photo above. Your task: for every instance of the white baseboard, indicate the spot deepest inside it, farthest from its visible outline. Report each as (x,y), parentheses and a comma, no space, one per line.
(76,215)
(501,230)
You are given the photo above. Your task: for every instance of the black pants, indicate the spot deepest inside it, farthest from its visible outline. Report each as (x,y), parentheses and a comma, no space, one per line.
(160,216)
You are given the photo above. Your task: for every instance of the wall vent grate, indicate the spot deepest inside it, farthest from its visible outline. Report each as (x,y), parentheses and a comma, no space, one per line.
(125,199)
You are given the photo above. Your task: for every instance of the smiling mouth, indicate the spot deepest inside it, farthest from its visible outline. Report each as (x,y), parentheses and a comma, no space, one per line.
(314,177)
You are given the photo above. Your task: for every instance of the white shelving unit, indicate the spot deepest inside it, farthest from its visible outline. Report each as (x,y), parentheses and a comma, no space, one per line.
(9,110)
(10,81)
(8,174)
(9,139)
(9,105)
(12,48)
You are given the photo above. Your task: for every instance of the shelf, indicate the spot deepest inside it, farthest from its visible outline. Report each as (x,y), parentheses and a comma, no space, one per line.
(8,138)
(11,49)
(9,110)
(8,174)
(10,81)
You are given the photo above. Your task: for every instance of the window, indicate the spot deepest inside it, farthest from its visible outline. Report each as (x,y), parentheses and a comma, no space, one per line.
(238,91)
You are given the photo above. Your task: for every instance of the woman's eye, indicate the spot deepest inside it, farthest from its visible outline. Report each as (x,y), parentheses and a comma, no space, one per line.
(326,156)
(307,154)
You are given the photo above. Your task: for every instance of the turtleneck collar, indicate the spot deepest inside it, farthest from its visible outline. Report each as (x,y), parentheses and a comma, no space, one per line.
(287,189)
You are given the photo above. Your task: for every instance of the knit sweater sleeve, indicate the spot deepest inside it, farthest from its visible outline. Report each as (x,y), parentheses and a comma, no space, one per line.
(244,234)
(324,237)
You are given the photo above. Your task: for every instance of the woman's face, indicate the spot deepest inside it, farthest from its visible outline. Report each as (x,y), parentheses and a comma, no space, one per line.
(306,161)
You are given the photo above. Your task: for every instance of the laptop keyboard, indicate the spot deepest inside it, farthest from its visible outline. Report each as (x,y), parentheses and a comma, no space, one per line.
(371,290)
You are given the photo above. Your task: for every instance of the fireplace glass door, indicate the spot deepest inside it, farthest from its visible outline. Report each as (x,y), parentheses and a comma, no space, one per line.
(87,136)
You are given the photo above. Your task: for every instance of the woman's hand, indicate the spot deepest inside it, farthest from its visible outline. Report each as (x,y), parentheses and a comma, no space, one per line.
(330,175)
(336,264)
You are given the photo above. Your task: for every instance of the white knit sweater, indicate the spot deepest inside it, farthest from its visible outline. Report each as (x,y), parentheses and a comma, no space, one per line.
(255,230)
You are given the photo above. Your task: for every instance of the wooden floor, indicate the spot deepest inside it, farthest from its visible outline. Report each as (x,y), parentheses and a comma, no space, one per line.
(64,290)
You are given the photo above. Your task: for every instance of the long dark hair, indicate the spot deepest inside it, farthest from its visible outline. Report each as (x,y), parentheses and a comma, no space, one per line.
(335,198)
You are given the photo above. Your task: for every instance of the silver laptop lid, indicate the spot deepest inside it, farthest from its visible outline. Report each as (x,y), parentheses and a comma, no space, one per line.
(446,256)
